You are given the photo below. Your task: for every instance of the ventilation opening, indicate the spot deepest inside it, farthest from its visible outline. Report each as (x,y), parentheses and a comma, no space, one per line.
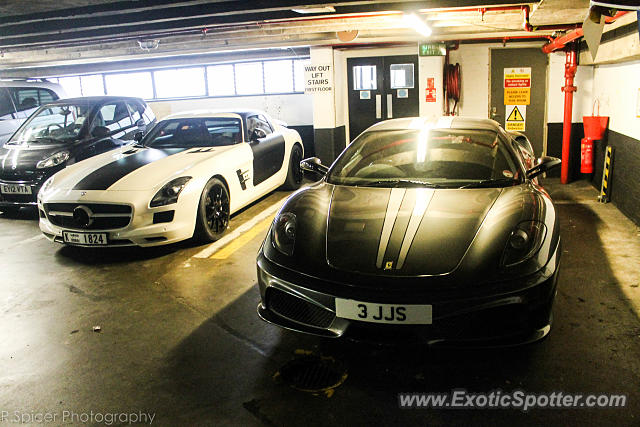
(160,217)
(313,373)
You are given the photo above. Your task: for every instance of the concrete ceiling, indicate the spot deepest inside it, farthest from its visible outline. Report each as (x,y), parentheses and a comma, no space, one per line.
(26,7)
(61,32)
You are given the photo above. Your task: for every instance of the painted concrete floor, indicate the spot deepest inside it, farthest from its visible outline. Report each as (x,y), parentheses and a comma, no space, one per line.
(180,338)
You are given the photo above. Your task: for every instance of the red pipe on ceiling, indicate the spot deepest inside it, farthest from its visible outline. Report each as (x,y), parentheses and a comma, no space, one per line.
(562,41)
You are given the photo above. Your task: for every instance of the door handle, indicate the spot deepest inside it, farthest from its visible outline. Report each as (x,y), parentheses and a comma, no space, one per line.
(389,106)
(378,106)
(494,113)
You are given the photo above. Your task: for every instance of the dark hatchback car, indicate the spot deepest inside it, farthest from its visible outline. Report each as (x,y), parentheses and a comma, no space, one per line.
(61,133)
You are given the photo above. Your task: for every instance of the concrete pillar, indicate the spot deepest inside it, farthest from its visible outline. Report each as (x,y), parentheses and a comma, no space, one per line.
(329,139)
(431,67)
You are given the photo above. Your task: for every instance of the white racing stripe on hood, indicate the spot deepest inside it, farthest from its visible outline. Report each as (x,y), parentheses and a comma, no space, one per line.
(423,198)
(393,207)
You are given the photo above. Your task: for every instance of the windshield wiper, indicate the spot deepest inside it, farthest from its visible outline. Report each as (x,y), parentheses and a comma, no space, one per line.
(399,183)
(46,138)
(497,182)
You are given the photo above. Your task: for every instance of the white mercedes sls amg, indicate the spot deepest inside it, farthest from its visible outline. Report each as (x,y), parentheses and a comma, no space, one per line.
(183,179)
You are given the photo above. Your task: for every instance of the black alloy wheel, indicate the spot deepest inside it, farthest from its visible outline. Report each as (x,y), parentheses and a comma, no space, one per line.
(213,212)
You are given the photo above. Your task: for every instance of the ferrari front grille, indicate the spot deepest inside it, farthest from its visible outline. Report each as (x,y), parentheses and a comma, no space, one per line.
(293,308)
(88,216)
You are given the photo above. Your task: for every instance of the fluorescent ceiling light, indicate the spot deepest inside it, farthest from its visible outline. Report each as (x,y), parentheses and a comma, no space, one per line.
(414,22)
(314,9)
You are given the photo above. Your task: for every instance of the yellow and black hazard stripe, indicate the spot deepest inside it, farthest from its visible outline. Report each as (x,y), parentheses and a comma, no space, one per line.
(605,188)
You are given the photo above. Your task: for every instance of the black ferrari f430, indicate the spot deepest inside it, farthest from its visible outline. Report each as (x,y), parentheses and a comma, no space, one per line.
(430,231)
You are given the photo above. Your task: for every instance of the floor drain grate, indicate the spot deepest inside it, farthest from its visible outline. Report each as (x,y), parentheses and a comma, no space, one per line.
(312,373)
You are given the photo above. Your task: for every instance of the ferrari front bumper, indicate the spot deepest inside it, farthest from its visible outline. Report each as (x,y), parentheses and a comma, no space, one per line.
(512,313)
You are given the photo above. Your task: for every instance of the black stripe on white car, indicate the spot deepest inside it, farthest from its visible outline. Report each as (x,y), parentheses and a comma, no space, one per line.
(107,175)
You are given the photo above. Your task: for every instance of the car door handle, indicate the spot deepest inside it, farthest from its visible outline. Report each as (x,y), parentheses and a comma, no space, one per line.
(378,106)
(389,106)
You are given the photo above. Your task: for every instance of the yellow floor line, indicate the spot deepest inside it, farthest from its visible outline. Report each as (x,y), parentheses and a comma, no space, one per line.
(245,238)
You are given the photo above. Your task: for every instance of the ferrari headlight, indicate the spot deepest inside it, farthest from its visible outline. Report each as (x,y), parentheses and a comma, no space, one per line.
(53,160)
(524,242)
(283,233)
(169,193)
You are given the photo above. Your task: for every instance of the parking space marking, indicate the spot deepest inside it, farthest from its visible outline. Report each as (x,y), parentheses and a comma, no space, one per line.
(246,237)
(217,245)
(23,242)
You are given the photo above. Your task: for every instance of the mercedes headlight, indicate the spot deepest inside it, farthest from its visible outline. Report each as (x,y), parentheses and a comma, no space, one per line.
(44,188)
(46,184)
(283,233)
(169,193)
(524,242)
(53,160)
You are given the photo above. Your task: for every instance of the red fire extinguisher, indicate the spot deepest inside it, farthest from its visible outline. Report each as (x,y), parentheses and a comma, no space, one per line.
(586,155)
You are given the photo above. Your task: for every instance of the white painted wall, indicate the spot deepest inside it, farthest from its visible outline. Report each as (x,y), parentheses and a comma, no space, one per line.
(616,86)
(294,109)
(582,98)
(430,66)
(474,72)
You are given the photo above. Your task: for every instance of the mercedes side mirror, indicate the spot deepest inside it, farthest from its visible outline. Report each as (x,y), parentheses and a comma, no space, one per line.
(545,164)
(100,132)
(257,134)
(313,166)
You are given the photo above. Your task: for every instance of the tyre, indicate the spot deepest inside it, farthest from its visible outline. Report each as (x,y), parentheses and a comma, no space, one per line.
(294,173)
(213,212)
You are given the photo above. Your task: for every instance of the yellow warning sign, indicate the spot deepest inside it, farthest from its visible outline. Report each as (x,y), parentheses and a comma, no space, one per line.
(517,96)
(516,117)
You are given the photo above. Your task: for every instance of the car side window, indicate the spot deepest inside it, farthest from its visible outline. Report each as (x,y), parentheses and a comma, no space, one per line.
(28,98)
(46,95)
(263,119)
(258,122)
(7,109)
(135,111)
(148,114)
(115,117)
(24,98)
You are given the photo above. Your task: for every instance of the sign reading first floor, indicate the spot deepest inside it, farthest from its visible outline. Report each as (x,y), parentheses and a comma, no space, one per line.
(318,78)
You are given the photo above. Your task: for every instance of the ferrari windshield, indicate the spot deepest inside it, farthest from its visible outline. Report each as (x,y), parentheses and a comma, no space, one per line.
(195,132)
(55,124)
(430,157)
